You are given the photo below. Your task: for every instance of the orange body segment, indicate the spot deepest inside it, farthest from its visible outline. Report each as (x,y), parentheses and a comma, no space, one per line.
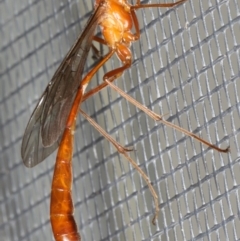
(61,208)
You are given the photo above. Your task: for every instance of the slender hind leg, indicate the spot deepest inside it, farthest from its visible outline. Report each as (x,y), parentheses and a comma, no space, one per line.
(122,150)
(157,117)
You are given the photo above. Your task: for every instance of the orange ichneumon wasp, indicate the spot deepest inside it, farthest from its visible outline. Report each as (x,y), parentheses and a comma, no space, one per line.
(52,123)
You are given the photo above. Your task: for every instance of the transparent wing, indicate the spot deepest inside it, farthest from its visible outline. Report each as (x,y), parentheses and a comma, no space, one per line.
(46,125)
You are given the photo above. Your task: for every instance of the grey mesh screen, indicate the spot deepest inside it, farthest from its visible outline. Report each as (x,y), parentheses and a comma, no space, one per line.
(186,67)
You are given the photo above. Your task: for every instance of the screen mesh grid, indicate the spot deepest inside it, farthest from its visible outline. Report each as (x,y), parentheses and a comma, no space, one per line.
(186,67)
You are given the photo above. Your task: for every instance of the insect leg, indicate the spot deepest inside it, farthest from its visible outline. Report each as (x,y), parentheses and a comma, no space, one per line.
(157,117)
(116,73)
(156,5)
(122,150)
(99,40)
(97,53)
